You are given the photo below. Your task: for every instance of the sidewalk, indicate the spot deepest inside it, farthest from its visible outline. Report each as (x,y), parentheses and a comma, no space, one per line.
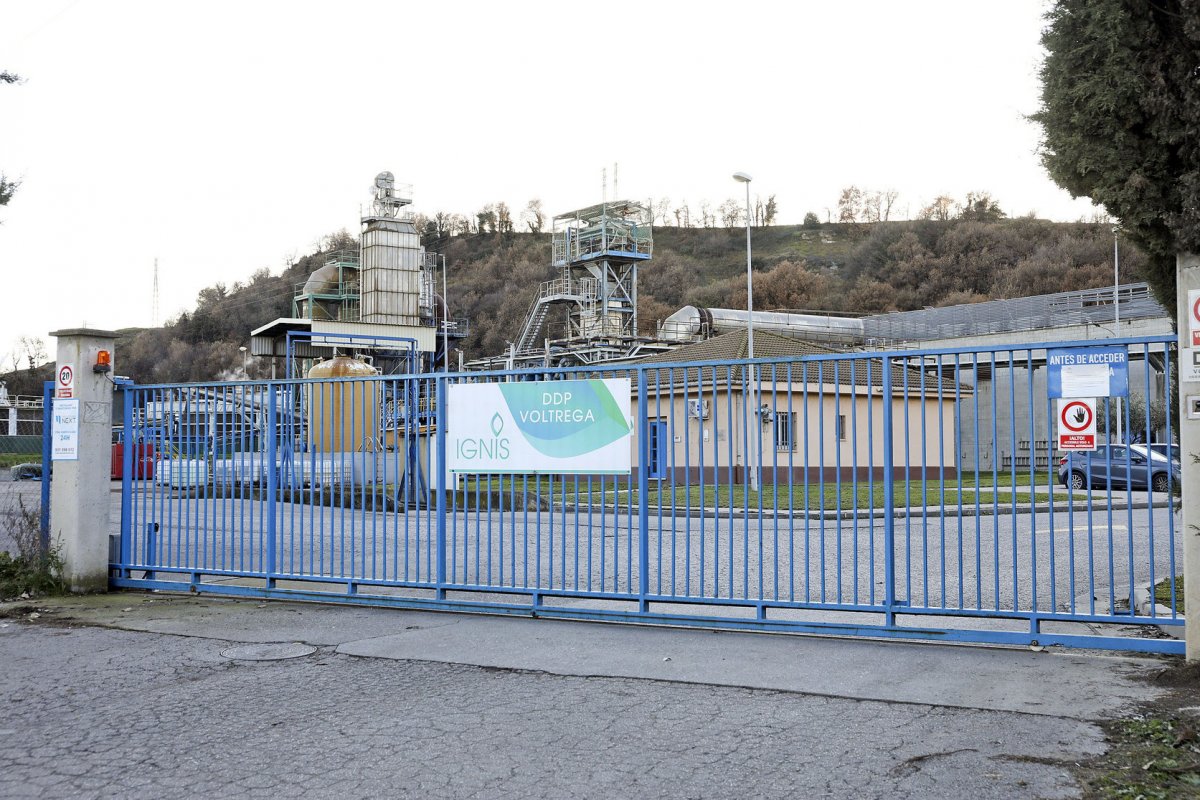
(1062,683)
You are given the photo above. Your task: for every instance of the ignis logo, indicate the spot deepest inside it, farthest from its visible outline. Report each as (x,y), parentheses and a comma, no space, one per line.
(495,447)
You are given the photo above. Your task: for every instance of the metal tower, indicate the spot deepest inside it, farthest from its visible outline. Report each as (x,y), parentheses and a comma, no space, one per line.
(589,312)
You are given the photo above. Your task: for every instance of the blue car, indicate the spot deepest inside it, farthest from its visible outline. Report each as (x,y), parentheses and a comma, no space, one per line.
(1118,466)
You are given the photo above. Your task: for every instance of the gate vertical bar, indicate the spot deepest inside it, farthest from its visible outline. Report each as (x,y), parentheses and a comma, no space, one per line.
(128,472)
(441,417)
(643,464)
(889,500)
(47,463)
(272,478)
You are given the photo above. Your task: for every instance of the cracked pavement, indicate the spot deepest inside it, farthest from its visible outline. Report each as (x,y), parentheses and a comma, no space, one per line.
(92,704)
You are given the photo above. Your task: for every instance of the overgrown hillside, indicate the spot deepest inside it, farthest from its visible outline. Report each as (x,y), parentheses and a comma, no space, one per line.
(848,268)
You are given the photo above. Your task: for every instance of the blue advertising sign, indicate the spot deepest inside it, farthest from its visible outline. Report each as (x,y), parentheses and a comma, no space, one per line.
(1088,372)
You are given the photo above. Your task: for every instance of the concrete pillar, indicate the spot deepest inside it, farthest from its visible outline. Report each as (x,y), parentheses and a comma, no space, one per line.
(1187,277)
(12,421)
(80,489)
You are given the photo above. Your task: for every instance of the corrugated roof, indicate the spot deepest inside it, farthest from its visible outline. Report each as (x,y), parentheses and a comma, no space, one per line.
(735,346)
(857,369)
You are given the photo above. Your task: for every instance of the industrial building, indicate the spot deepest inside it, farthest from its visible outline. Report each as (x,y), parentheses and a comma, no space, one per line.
(380,305)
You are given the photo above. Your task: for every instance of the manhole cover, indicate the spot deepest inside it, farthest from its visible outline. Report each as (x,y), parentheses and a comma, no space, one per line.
(272,651)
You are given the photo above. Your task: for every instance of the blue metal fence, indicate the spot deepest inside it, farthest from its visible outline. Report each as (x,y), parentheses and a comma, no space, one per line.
(902,493)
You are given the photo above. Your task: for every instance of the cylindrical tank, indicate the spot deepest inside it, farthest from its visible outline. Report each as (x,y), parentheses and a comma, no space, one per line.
(343,415)
(691,322)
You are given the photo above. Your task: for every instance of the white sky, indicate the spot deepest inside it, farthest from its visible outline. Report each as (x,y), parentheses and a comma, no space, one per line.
(221,136)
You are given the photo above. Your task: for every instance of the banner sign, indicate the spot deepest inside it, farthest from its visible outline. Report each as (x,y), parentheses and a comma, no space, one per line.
(1088,372)
(1077,424)
(559,427)
(64,431)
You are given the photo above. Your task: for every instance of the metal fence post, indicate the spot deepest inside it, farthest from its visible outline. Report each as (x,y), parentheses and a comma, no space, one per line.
(272,478)
(440,484)
(128,473)
(643,478)
(47,464)
(889,499)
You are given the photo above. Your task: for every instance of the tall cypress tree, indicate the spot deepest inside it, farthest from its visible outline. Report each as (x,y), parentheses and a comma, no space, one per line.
(1121,119)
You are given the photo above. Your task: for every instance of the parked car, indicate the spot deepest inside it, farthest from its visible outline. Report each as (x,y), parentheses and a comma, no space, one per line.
(28,471)
(1118,466)
(1164,449)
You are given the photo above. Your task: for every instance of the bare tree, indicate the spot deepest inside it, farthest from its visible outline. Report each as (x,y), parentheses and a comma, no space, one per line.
(871,209)
(422,223)
(850,204)
(660,210)
(33,350)
(889,196)
(941,209)
(504,220)
(533,216)
(731,213)
(706,214)
(442,220)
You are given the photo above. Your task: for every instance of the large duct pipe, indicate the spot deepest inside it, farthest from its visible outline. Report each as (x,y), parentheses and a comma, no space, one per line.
(692,322)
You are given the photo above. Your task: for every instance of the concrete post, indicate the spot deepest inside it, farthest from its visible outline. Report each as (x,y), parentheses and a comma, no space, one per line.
(12,421)
(80,489)
(1187,278)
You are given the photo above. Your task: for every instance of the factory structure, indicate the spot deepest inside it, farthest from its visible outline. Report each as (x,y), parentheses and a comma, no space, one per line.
(382,311)
(380,306)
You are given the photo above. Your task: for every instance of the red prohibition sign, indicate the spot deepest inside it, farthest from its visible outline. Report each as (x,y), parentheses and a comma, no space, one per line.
(65,375)
(1087,419)
(1196,310)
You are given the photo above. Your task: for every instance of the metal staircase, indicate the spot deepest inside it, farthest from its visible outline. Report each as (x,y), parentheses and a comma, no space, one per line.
(581,292)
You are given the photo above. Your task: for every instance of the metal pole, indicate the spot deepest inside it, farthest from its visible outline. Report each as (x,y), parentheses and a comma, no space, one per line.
(445,322)
(757,455)
(1117,317)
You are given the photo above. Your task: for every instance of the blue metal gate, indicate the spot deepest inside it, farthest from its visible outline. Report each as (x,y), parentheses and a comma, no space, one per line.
(906,493)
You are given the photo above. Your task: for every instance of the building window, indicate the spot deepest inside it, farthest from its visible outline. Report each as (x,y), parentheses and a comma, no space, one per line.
(841,427)
(785,430)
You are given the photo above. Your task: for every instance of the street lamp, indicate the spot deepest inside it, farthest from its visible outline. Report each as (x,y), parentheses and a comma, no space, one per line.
(742,177)
(245,361)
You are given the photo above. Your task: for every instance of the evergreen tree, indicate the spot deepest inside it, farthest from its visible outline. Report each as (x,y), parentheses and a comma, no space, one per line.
(1121,119)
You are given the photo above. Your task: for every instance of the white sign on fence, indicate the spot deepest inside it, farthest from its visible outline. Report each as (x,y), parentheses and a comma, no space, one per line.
(1077,423)
(558,427)
(64,430)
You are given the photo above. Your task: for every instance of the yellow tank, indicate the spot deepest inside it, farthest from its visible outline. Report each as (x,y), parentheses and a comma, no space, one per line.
(343,416)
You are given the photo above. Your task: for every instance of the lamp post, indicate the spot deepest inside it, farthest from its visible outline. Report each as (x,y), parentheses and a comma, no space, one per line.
(245,361)
(742,177)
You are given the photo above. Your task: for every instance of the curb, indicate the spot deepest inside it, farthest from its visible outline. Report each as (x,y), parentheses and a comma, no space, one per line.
(1146,606)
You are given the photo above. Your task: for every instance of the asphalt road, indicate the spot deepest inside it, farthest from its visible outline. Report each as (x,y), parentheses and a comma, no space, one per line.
(101,712)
